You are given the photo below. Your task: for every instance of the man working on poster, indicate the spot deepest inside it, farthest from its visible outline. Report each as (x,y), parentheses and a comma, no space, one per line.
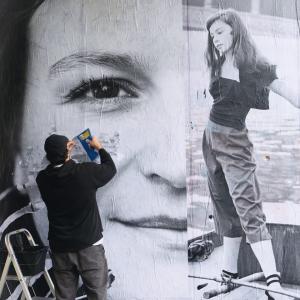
(75,230)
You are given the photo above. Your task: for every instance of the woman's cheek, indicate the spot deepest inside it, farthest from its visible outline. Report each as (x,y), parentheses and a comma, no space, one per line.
(124,136)
(69,119)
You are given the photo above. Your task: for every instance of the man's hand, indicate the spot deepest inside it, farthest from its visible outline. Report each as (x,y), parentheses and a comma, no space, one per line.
(95,143)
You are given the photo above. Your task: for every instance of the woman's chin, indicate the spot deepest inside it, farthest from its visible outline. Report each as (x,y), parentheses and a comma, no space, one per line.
(147,262)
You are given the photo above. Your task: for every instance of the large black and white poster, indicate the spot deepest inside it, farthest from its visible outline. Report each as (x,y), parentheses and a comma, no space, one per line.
(235,172)
(197,101)
(117,68)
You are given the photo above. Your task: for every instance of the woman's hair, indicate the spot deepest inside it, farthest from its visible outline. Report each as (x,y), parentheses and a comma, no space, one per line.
(14,19)
(246,56)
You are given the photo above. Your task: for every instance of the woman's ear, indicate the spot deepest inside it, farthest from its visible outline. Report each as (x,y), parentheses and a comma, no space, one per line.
(19,176)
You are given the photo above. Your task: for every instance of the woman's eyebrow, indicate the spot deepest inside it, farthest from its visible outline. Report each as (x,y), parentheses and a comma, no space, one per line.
(125,63)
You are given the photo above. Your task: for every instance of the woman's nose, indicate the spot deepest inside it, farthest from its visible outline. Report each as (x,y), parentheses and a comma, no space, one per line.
(170,170)
(167,165)
(164,159)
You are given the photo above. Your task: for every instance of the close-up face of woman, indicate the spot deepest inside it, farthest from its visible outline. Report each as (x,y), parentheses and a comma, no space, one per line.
(221,35)
(116,67)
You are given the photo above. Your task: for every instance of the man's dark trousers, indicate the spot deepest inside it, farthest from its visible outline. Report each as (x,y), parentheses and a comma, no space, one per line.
(90,263)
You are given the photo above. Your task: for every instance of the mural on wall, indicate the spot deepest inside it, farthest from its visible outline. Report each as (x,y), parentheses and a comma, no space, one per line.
(270,37)
(117,68)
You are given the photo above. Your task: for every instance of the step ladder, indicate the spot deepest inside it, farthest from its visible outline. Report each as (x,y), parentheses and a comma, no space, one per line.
(11,260)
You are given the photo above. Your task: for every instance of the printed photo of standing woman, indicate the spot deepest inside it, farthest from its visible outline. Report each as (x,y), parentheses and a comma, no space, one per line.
(240,79)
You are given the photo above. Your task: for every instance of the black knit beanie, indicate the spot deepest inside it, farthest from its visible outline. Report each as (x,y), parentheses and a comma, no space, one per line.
(56,148)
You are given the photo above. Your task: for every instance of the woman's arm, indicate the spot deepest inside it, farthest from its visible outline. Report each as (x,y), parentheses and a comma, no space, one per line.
(289,92)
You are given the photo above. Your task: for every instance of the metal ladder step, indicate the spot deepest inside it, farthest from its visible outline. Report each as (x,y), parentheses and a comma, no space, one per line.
(41,298)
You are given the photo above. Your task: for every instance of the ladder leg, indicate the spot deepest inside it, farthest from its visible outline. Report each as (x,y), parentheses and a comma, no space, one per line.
(49,281)
(21,278)
(23,296)
(27,281)
(4,273)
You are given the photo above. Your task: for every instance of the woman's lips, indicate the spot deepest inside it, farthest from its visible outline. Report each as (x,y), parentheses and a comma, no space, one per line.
(158,222)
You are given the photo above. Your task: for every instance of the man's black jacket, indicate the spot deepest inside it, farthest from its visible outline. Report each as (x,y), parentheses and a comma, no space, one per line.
(69,193)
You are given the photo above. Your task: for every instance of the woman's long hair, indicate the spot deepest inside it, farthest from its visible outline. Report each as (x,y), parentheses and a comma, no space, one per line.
(14,19)
(246,56)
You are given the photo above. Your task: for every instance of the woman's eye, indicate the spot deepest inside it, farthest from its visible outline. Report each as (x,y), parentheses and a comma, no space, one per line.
(105,88)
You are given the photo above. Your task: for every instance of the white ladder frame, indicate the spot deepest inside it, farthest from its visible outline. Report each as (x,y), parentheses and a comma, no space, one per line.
(11,258)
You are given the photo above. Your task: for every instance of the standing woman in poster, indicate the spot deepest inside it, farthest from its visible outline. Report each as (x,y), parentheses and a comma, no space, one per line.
(240,79)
